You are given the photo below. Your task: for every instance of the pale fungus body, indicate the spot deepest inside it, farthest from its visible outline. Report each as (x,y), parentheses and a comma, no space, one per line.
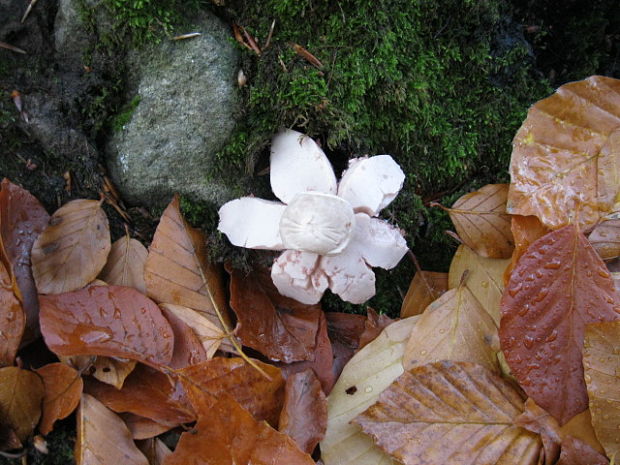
(328,231)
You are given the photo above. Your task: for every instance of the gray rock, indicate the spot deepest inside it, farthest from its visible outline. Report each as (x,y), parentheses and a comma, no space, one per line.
(186,112)
(72,35)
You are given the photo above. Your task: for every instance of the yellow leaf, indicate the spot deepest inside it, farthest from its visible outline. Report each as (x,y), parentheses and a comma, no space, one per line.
(21,394)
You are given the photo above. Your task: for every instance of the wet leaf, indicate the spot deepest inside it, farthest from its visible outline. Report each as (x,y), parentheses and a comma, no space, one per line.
(63,389)
(576,452)
(125,265)
(482,223)
(450,412)
(454,327)
(304,414)
(601,362)
(22,219)
(367,374)
(12,320)
(278,327)
(112,371)
(425,287)
(177,270)
(148,393)
(559,285)
(72,249)
(605,239)
(539,421)
(565,155)
(106,320)
(344,330)
(188,350)
(580,427)
(142,427)
(103,438)
(485,278)
(21,394)
(209,335)
(526,230)
(373,326)
(260,396)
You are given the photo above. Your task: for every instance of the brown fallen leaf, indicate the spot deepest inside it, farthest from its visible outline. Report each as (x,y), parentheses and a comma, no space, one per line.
(209,335)
(559,285)
(576,452)
(425,287)
(72,249)
(526,230)
(21,394)
(63,390)
(580,427)
(605,238)
(306,55)
(539,421)
(188,350)
(125,265)
(344,330)
(481,221)
(12,320)
(142,427)
(22,219)
(304,414)
(114,321)
(155,450)
(112,371)
(373,326)
(8,438)
(565,158)
(450,412)
(601,362)
(103,438)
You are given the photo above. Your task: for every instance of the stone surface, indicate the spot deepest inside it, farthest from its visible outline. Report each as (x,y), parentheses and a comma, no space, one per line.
(186,112)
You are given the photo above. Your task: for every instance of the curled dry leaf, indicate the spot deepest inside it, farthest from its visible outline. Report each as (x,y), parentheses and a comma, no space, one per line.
(21,394)
(601,362)
(22,219)
(72,249)
(605,238)
(125,265)
(373,326)
(425,287)
(114,321)
(454,327)
(12,320)
(484,278)
(447,412)
(539,421)
(304,414)
(103,438)
(260,396)
(576,452)
(565,155)
(63,390)
(482,223)
(112,371)
(209,335)
(367,374)
(559,285)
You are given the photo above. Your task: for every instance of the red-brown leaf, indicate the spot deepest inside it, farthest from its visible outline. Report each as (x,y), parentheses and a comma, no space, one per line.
(344,330)
(559,285)
(576,452)
(12,320)
(106,320)
(188,349)
(539,421)
(373,326)
(63,390)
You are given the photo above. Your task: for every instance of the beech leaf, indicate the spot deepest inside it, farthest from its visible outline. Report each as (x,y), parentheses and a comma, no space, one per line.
(63,390)
(114,321)
(125,265)
(605,238)
(12,320)
(103,438)
(559,285)
(112,371)
(450,412)
(142,427)
(72,249)
(155,450)
(208,333)
(565,156)
(368,373)
(576,452)
(188,350)
(526,230)
(425,287)
(580,427)
(601,362)
(21,394)
(374,324)
(539,421)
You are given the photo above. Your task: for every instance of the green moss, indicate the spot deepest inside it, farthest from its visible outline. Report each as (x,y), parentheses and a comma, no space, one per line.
(120,120)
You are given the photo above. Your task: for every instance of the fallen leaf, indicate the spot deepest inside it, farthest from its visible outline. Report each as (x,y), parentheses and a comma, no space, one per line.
(63,389)
(278,327)
(539,421)
(454,327)
(344,330)
(72,249)
(21,394)
(148,393)
(304,414)
(8,438)
(425,287)
(526,230)
(373,326)
(209,335)
(142,427)
(450,412)
(601,362)
(580,427)
(112,371)
(484,278)
(12,320)
(481,221)
(559,285)
(125,265)
(177,270)
(188,350)
(260,396)
(565,156)
(114,321)
(605,238)
(103,438)
(576,452)
(367,374)
(22,219)
(155,450)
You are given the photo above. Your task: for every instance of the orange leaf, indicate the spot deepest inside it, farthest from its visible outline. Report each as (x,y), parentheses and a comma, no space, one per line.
(125,265)
(559,285)
(580,427)
(21,393)
(12,320)
(142,427)
(207,332)
(425,287)
(605,239)
(576,452)
(565,156)
(525,230)
(73,248)
(106,320)
(188,350)
(63,389)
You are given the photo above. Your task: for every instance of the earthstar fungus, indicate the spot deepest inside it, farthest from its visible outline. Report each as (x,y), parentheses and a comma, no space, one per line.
(328,231)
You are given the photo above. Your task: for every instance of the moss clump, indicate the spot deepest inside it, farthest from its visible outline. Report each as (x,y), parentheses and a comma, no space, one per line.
(124,116)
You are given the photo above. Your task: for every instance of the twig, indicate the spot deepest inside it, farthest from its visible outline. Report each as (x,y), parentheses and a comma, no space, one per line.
(12,48)
(268,40)
(30,6)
